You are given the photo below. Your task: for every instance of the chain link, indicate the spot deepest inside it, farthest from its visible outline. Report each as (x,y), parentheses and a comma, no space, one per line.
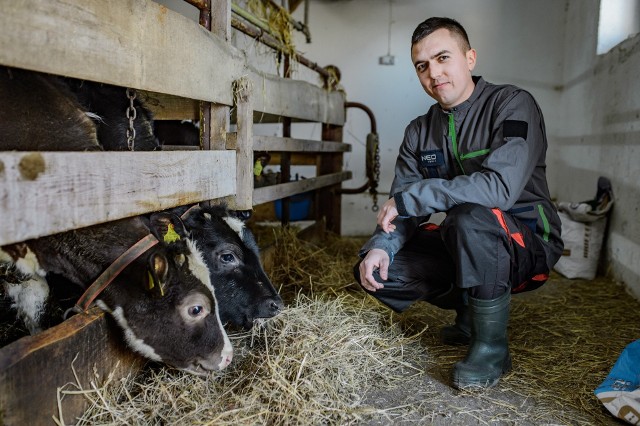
(131,115)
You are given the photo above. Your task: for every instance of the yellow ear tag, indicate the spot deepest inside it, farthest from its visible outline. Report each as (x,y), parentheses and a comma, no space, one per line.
(171,236)
(152,284)
(257,168)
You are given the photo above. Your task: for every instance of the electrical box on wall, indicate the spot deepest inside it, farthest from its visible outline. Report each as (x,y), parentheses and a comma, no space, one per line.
(386,60)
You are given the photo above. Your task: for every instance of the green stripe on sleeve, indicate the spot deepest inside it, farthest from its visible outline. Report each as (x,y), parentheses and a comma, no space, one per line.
(474,154)
(545,223)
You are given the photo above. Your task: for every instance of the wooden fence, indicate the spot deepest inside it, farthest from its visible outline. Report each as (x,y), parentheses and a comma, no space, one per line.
(183,70)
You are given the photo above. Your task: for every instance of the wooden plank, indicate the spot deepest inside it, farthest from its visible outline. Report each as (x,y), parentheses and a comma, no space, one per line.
(131,43)
(34,367)
(296,99)
(276,192)
(167,107)
(295,159)
(49,192)
(275,143)
(141,44)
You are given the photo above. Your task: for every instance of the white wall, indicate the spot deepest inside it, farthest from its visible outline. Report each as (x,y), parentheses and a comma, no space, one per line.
(518,41)
(601,134)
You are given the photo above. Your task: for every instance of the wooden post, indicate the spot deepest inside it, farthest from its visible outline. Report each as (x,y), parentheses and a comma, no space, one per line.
(244,146)
(219,114)
(285,158)
(216,19)
(328,202)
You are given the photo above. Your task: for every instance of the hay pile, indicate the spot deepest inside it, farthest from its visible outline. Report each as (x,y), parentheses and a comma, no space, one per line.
(335,356)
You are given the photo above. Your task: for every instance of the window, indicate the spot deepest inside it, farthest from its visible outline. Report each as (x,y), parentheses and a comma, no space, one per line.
(619,19)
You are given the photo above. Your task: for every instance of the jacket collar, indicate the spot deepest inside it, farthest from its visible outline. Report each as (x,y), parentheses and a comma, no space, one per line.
(479,87)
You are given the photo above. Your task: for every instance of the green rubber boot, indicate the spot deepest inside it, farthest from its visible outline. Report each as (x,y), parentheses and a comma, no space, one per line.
(459,333)
(488,356)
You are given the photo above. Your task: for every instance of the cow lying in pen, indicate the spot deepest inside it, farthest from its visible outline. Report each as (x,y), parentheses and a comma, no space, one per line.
(163,301)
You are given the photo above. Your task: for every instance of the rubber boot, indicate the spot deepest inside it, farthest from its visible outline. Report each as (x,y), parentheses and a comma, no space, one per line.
(459,333)
(488,356)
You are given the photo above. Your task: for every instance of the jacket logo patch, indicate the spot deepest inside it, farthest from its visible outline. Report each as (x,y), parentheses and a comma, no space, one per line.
(433,158)
(515,129)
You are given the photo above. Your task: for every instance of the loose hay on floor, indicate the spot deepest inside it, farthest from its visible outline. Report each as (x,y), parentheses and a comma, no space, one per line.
(335,356)
(312,364)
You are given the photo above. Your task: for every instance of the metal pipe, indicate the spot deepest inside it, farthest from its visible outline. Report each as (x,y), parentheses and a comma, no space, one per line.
(251,18)
(273,43)
(372,119)
(366,109)
(200,4)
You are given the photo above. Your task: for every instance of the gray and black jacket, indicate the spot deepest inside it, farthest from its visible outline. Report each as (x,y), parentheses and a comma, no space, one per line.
(489,150)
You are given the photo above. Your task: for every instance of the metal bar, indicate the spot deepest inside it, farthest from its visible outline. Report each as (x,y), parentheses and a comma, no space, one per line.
(200,4)
(273,43)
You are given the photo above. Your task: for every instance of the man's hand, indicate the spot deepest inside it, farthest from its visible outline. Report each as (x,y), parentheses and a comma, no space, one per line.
(387,213)
(375,259)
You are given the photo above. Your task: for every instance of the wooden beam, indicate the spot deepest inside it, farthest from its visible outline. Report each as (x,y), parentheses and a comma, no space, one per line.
(130,43)
(295,159)
(275,143)
(33,368)
(49,192)
(143,45)
(295,99)
(276,192)
(167,107)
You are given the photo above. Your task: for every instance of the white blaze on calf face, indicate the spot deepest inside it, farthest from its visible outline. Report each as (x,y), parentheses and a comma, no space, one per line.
(197,266)
(199,269)
(133,341)
(236,224)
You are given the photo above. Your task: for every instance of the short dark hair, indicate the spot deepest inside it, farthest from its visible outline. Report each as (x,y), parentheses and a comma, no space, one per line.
(432,24)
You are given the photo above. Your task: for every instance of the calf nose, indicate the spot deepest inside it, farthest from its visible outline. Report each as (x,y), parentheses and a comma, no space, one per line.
(275,305)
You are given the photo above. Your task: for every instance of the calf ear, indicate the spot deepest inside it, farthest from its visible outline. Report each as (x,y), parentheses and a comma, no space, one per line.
(157,274)
(167,227)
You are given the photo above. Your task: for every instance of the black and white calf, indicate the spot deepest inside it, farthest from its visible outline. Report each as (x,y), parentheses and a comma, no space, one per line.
(163,301)
(243,290)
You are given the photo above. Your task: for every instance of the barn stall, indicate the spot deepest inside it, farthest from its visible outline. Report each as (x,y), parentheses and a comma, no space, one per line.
(567,335)
(183,70)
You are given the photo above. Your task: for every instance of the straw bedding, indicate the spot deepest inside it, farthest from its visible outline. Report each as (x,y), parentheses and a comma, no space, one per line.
(335,356)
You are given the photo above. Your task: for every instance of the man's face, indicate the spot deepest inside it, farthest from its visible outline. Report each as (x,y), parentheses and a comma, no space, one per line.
(443,69)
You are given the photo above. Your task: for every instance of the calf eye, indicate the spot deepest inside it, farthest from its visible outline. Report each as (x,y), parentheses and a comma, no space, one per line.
(194,311)
(227,257)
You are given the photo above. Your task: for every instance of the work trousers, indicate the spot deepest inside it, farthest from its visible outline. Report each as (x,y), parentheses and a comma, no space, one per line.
(485,250)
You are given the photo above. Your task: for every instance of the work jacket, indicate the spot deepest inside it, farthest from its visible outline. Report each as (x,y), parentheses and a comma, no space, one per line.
(489,150)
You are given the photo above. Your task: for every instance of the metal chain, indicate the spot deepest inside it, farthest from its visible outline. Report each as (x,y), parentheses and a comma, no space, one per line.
(376,170)
(131,115)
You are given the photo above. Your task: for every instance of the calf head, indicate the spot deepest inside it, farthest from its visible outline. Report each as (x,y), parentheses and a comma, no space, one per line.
(243,290)
(170,314)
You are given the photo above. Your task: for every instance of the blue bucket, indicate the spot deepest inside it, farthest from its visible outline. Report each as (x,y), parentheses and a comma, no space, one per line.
(299,206)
